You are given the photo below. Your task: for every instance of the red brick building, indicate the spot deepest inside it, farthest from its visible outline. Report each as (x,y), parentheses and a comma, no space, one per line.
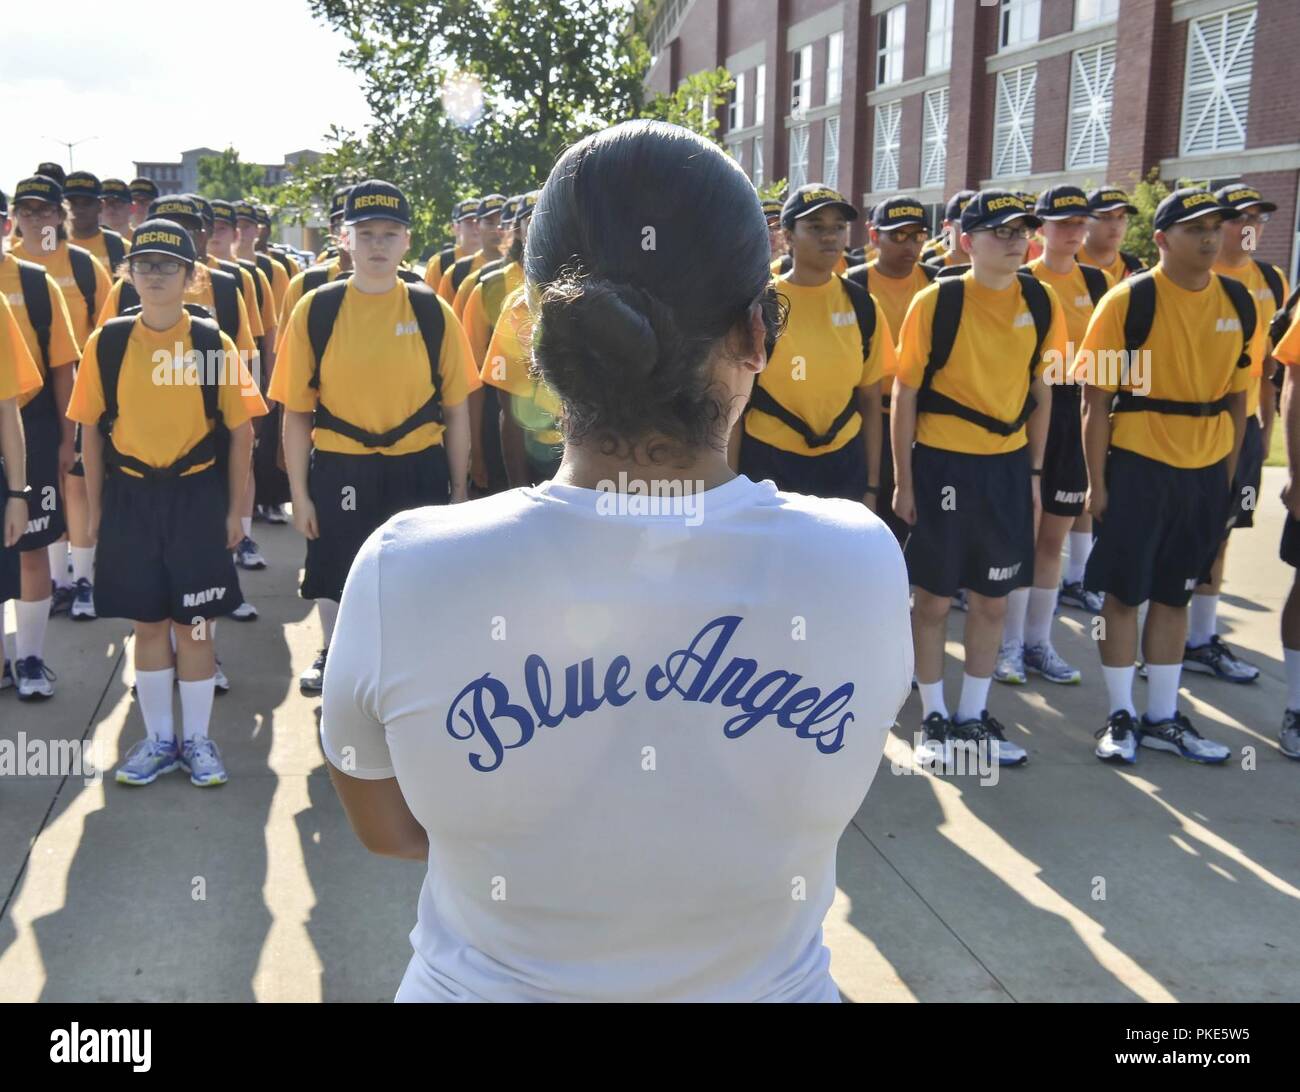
(930,96)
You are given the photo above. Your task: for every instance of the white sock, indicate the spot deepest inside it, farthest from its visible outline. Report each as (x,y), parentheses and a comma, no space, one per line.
(974,697)
(1162,690)
(32,620)
(1038,619)
(246,522)
(153,690)
(58,554)
(1080,548)
(328,609)
(1202,620)
(196,707)
(83,563)
(1292,657)
(932,697)
(1119,687)
(1013,629)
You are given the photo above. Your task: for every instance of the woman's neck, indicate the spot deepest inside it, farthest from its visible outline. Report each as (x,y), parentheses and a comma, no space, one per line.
(1059,261)
(586,467)
(161,316)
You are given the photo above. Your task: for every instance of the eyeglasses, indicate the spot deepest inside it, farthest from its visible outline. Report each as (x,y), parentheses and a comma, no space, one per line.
(168,267)
(1255,217)
(1006,232)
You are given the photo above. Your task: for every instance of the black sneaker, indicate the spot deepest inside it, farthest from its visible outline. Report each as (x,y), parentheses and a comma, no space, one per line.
(1118,738)
(1178,735)
(988,731)
(62,598)
(934,739)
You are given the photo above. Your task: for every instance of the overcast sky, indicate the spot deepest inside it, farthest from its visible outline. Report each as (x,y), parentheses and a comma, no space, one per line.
(81,69)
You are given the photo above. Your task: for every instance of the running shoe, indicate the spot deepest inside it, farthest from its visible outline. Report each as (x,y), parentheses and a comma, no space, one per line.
(1010,668)
(1046,661)
(1215,658)
(83,606)
(1289,737)
(312,681)
(6,676)
(1178,735)
(202,761)
(934,739)
(61,598)
(1074,594)
(148,760)
(959,601)
(275,514)
(34,679)
(247,555)
(1118,738)
(245,612)
(219,681)
(986,731)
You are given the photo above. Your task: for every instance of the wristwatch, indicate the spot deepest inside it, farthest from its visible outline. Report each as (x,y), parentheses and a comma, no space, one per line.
(23,494)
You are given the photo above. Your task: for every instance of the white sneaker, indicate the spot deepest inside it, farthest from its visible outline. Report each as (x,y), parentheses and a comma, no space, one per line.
(1010,668)
(35,680)
(1178,735)
(1118,738)
(245,612)
(83,606)
(219,680)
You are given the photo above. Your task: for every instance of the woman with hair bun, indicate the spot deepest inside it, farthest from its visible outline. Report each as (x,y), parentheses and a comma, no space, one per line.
(628,758)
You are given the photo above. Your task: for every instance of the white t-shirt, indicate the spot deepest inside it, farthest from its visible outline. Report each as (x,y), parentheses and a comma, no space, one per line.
(634,739)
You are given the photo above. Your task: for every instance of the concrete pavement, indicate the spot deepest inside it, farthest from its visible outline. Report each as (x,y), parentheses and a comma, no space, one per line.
(1067,880)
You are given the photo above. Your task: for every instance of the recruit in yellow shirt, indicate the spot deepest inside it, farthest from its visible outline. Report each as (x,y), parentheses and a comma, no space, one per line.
(63,342)
(446,289)
(96,245)
(894,295)
(435,269)
(988,368)
(841,265)
(817,364)
(1191,356)
(1072,292)
(467,287)
(279,287)
(294,293)
(376,372)
(1287,351)
(1117,269)
(1265,309)
(247,292)
(479,318)
(159,421)
(506,366)
(59,266)
(204,298)
(19,374)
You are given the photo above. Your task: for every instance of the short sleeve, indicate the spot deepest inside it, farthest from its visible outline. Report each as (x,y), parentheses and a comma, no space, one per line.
(240,401)
(351,731)
(1054,344)
(1288,349)
(18,372)
(291,378)
(914,338)
(459,372)
(1105,335)
(86,405)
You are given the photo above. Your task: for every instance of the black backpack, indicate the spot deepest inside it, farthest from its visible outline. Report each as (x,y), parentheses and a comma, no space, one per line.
(40,313)
(1132,262)
(761,399)
(225,296)
(947,319)
(461,270)
(323,312)
(215,446)
(1093,278)
(1137,328)
(858,274)
(115,245)
(83,272)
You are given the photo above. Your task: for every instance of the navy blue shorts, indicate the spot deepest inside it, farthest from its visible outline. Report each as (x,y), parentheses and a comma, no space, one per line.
(1065,474)
(1249,474)
(840,473)
(46,521)
(10,563)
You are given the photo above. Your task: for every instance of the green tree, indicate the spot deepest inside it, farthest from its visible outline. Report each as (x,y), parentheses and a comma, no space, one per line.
(695,103)
(1140,237)
(225,177)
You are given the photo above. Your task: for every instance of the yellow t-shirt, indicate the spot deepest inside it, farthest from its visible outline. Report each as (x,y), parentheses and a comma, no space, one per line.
(158,422)
(1072,291)
(204,298)
(894,294)
(375,373)
(1191,355)
(477,317)
(63,342)
(1117,269)
(247,292)
(988,368)
(279,287)
(506,365)
(445,288)
(96,245)
(1287,351)
(293,293)
(841,265)
(435,269)
(19,374)
(1265,309)
(467,287)
(817,365)
(59,266)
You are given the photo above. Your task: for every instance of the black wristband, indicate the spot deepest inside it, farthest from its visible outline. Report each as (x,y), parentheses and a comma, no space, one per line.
(872,489)
(1036,473)
(23,494)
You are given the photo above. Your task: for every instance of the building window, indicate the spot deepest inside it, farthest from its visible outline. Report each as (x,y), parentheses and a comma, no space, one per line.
(736,104)
(760,94)
(1216,91)
(938,37)
(797,175)
(884,175)
(1092,83)
(734,150)
(831,153)
(1019,22)
(1095,11)
(801,80)
(934,138)
(758,162)
(1013,122)
(889,45)
(834,66)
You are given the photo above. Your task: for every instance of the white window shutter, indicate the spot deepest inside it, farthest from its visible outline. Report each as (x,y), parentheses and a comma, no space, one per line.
(885,170)
(1216,89)
(1092,83)
(798,173)
(831,153)
(1013,122)
(934,138)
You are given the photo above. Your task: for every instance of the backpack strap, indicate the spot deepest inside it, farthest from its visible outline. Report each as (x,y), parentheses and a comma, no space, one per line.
(947,317)
(864,309)
(858,275)
(1274,282)
(1141,311)
(109,352)
(127,297)
(40,308)
(1244,304)
(115,246)
(1095,279)
(410,276)
(225,298)
(1281,321)
(244,263)
(929,271)
(322,313)
(1132,262)
(83,272)
(461,270)
(314,277)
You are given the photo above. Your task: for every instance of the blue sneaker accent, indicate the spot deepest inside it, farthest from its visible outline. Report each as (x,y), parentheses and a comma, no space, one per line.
(146,761)
(202,761)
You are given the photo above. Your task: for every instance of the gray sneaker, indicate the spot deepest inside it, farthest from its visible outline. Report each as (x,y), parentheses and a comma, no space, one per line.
(1289,737)
(987,732)
(148,760)
(1046,661)
(202,761)
(1010,668)
(1215,658)
(1074,594)
(1178,735)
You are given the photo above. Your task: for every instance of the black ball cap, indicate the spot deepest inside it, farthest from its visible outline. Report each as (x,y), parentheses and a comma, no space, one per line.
(157,236)
(897,212)
(174,205)
(957,205)
(808,199)
(1190,204)
(339,200)
(375,199)
(1063,203)
(205,209)
(1241,196)
(117,190)
(993,208)
(82,184)
(222,211)
(143,189)
(39,187)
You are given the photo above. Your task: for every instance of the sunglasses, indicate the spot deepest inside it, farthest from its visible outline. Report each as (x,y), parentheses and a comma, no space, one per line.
(168,267)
